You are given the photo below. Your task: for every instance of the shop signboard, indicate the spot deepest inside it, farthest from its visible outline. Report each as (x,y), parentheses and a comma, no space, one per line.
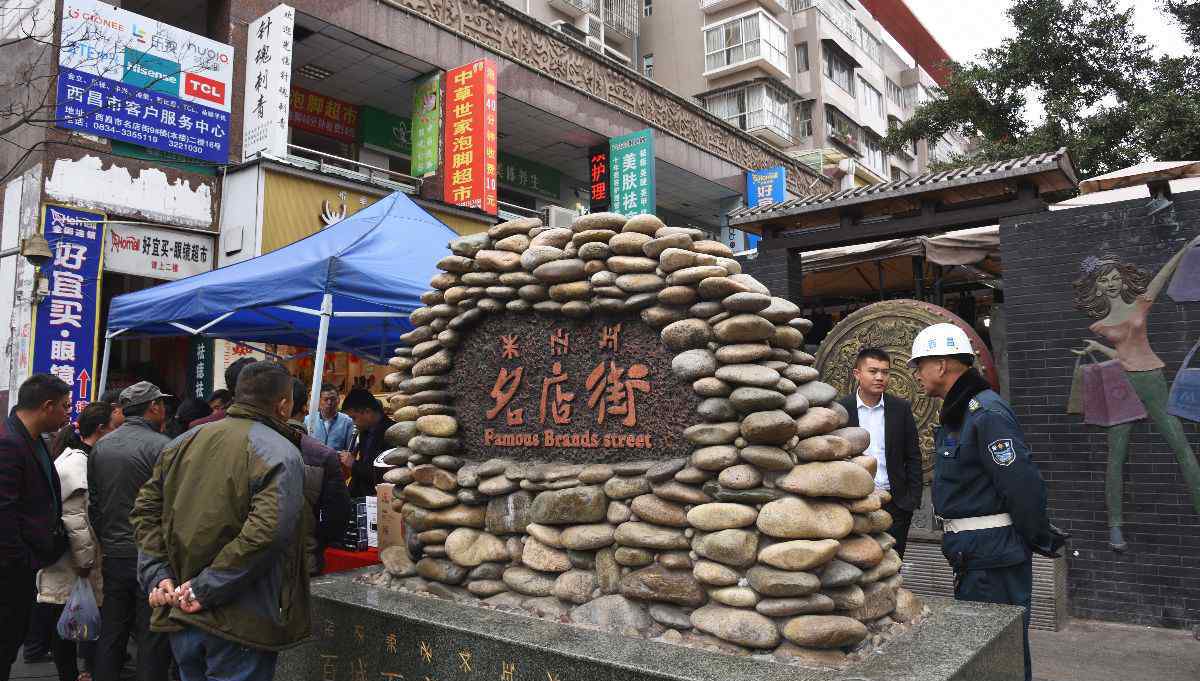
(126,77)
(66,320)
(470,139)
(156,253)
(529,176)
(385,130)
(631,169)
(200,367)
(598,177)
(325,116)
(427,124)
(268,83)
(766,186)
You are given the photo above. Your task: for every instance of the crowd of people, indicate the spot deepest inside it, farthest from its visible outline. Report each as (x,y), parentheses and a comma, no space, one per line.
(197,523)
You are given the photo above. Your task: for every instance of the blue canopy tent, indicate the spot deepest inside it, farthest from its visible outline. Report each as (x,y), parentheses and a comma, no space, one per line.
(348,287)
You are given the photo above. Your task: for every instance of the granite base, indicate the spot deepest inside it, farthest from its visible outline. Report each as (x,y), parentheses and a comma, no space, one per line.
(368,633)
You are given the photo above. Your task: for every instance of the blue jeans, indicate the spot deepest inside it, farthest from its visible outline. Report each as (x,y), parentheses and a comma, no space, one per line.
(204,657)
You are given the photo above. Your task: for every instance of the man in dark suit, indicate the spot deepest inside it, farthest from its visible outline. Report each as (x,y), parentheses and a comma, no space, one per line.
(893,430)
(31,529)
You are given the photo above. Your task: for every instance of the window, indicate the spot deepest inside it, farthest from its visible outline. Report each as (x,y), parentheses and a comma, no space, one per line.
(895,93)
(838,67)
(802,58)
(648,65)
(874,158)
(899,174)
(870,44)
(753,107)
(754,36)
(804,123)
(648,8)
(869,97)
(840,128)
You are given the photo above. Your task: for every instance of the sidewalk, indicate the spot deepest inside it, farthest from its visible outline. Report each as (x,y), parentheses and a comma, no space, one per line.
(1088,650)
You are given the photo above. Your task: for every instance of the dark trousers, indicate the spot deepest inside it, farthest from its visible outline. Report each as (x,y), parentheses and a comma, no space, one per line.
(16,602)
(125,611)
(203,656)
(901,520)
(1012,585)
(39,641)
(66,653)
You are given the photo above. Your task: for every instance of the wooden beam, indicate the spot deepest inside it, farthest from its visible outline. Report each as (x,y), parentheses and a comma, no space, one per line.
(927,223)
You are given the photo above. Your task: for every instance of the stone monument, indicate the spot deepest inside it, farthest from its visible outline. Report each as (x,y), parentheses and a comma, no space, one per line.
(611,426)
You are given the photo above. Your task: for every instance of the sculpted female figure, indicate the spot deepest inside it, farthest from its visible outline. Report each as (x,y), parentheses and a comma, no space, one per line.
(1119,295)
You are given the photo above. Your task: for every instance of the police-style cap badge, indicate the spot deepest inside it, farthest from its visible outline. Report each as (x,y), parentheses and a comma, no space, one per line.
(1003,452)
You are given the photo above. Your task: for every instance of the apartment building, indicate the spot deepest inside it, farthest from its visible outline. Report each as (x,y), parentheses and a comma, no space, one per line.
(822,80)
(606,26)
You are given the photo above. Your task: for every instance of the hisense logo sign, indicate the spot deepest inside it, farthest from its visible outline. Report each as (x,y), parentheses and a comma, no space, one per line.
(145,70)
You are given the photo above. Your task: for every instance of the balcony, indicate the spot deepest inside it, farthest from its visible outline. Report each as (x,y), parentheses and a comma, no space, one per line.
(621,19)
(761,110)
(769,127)
(576,8)
(755,40)
(709,6)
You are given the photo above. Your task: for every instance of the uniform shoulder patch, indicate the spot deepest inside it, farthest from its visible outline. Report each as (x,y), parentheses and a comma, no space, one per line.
(973,404)
(1003,452)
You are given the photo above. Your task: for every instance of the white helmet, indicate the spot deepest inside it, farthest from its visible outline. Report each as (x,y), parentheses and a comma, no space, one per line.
(940,340)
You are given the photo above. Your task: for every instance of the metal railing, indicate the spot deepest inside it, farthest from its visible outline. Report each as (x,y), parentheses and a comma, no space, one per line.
(331,164)
(622,16)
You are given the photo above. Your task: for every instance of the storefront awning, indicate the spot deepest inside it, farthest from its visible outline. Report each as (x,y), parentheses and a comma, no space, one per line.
(362,275)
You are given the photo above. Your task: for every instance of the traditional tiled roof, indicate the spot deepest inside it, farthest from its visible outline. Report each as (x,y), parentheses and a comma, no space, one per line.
(946,179)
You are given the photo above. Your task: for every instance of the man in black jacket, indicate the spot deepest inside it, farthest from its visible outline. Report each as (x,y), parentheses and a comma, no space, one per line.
(372,423)
(894,444)
(31,530)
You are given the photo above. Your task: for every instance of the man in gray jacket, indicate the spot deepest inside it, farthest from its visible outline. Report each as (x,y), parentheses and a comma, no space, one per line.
(120,463)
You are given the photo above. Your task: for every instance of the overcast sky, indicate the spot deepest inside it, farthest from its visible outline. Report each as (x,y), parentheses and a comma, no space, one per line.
(963,27)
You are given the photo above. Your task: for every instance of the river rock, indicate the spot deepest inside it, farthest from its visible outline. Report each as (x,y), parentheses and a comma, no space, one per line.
(438,570)
(497,485)
(839,573)
(712,387)
(861,551)
(528,582)
(587,537)
(702,434)
(841,479)
(569,506)
(397,562)
(760,495)
(508,514)
(560,271)
(749,399)
(714,574)
(665,470)
(613,613)
(781,311)
(731,547)
(721,516)
(433,476)
(748,374)
(652,509)
(681,493)
(908,606)
(647,536)
(766,458)
(887,567)
(744,328)
(631,557)
(742,353)
(818,393)
(879,599)
(692,275)
(799,605)
(626,488)
(795,518)
(469,548)
(690,365)
(743,627)
(768,427)
(498,261)
(428,497)
(740,477)
(575,586)
(556,237)
(846,597)
(657,583)
(800,554)
(824,631)
(631,264)
(686,334)
(594,250)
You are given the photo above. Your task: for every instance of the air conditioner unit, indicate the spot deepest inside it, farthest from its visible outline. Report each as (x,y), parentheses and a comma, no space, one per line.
(569,29)
(557,216)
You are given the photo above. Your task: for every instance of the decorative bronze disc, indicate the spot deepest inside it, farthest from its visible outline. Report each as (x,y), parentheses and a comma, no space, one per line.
(892,325)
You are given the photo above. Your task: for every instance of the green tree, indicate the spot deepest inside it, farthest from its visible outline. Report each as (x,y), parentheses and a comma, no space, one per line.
(1092,80)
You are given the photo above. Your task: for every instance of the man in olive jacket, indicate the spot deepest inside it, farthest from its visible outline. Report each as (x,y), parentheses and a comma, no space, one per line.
(220,530)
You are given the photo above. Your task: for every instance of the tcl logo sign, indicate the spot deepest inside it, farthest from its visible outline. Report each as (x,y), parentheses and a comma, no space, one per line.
(204,88)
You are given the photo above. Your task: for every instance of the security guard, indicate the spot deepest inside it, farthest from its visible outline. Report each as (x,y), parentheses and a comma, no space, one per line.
(987,491)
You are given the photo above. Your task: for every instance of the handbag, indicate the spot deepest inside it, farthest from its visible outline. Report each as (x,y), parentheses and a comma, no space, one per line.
(1108,396)
(1185,284)
(1075,398)
(80,618)
(1184,400)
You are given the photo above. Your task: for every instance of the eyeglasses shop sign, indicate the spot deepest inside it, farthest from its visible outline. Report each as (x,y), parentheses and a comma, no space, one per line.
(157,253)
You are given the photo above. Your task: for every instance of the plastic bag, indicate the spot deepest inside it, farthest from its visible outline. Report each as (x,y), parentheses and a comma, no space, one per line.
(80,620)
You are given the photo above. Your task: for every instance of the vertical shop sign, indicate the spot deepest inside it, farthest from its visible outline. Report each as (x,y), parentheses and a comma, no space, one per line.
(426,124)
(598,177)
(268,83)
(65,326)
(631,168)
(326,116)
(470,144)
(200,368)
(127,77)
(766,186)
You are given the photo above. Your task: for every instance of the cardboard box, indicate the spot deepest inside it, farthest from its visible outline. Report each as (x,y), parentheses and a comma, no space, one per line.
(391,522)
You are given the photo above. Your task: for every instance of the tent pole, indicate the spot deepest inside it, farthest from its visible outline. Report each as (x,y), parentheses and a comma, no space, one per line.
(314,396)
(104,364)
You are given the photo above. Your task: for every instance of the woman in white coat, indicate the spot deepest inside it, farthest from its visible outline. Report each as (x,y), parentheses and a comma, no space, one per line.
(83,559)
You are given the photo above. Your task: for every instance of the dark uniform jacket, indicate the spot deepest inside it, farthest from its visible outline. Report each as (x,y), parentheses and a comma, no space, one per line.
(983,466)
(31,529)
(901,448)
